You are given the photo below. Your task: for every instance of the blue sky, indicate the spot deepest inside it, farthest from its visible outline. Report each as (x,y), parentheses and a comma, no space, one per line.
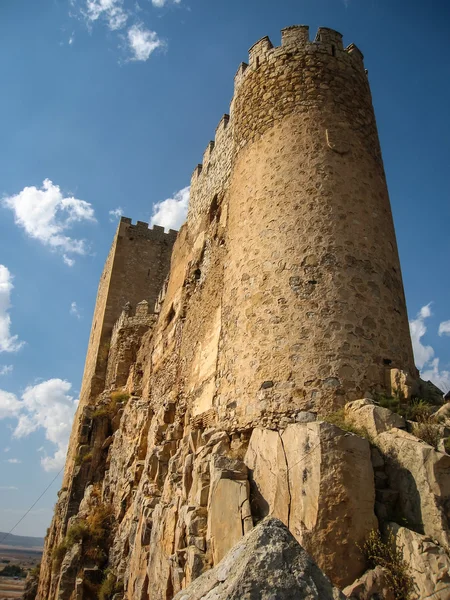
(108,105)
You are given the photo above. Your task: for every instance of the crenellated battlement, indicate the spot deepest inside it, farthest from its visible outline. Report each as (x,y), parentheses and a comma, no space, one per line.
(142,230)
(264,62)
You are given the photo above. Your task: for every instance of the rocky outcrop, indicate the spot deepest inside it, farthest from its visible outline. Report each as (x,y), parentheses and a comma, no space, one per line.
(318,479)
(429,564)
(373,584)
(420,478)
(368,417)
(267,564)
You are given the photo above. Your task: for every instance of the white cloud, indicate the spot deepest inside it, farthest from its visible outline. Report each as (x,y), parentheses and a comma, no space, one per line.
(422,354)
(5,369)
(444,328)
(8,342)
(45,214)
(112,11)
(74,310)
(142,42)
(68,261)
(438,377)
(48,406)
(171,213)
(8,487)
(10,406)
(115,214)
(6,449)
(13,461)
(161,3)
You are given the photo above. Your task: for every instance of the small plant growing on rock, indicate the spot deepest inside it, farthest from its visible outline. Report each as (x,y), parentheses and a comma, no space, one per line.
(338,418)
(389,557)
(428,432)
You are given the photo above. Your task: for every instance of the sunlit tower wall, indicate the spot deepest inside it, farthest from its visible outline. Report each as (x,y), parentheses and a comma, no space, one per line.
(312,290)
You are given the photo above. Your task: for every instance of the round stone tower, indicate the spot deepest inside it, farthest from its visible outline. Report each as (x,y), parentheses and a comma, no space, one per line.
(313,304)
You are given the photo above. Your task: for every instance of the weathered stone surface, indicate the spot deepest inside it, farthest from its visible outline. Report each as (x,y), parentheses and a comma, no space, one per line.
(373,584)
(421,478)
(229,495)
(267,564)
(318,479)
(400,383)
(266,461)
(332,496)
(68,572)
(428,562)
(364,414)
(442,415)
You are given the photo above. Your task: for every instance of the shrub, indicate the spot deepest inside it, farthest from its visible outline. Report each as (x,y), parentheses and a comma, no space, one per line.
(428,432)
(419,410)
(12,571)
(108,587)
(119,396)
(388,556)
(58,554)
(338,418)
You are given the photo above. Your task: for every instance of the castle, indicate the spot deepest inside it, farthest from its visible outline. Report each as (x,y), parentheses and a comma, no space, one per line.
(216,354)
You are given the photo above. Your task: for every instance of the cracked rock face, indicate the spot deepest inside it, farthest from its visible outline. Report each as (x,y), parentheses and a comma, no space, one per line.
(318,480)
(268,564)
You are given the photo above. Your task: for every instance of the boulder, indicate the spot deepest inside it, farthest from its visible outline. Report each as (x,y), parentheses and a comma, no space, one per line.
(268,564)
(421,477)
(442,415)
(319,480)
(229,513)
(429,563)
(365,415)
(373,584)
(266,462)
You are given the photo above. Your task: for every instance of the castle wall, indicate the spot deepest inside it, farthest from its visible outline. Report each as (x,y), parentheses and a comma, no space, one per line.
(313,282)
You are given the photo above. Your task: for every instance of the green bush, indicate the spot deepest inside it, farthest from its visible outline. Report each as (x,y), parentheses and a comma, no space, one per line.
(388,556)
(13,571)
(338,418)
(428,432)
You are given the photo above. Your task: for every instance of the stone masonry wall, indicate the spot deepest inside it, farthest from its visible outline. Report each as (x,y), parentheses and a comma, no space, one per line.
(284,296)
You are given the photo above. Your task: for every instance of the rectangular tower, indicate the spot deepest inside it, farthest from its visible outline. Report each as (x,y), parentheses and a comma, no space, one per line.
(137,264)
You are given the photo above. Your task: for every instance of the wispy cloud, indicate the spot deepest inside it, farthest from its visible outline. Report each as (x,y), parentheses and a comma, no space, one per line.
(13,461)
(111,11)
(74,310)
(171,213)
(5,369)
(115,214)
(8,342)
(161,3)
(45,214)
(424,354)
(121,16)
(8,487)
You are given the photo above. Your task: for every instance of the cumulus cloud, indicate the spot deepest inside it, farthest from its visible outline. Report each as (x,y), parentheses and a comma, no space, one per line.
(5,369)
(10,406)
(47,406)
(112,11)
(444,328)
(424,355)
(45,215)
(74,310)
(438,377)
(115,214)
(171,213)
(142,42)
(8,342)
